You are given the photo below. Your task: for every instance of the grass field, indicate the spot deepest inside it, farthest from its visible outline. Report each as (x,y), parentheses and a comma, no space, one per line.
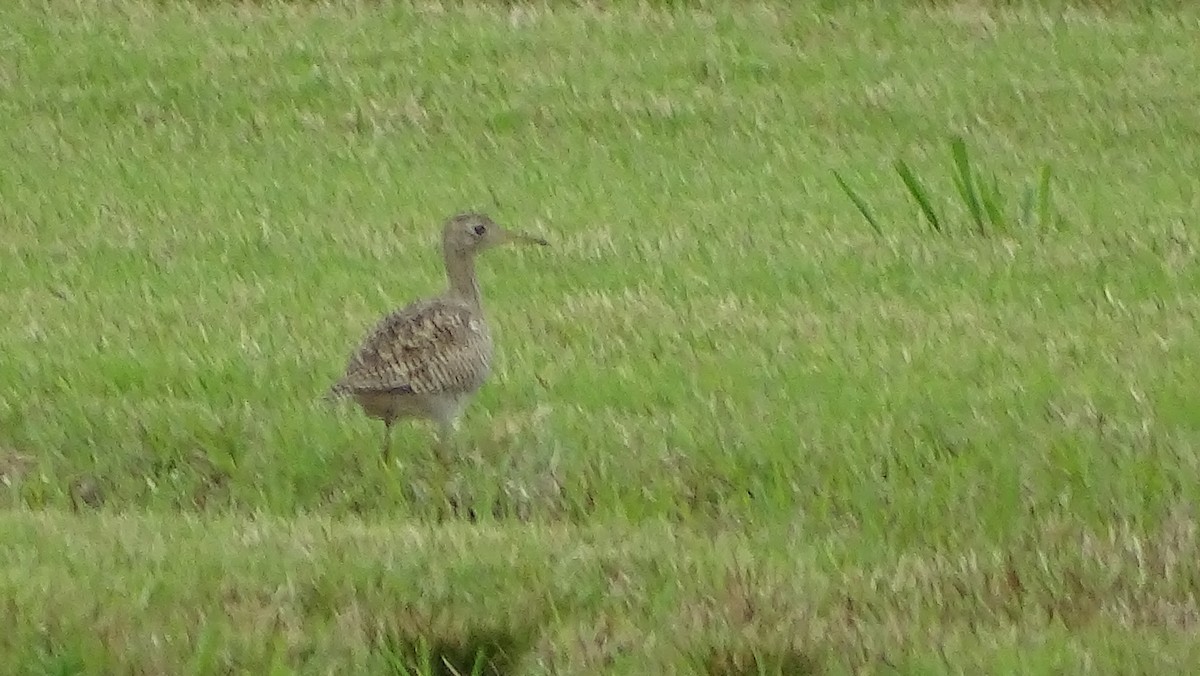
(732,427)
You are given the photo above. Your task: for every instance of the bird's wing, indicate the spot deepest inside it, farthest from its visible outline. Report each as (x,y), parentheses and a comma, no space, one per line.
(430,346)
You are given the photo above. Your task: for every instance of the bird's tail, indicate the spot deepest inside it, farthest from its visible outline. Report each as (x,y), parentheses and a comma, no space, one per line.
(336,393)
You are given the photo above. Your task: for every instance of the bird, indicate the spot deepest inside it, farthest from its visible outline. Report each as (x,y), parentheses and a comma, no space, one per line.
(427,359)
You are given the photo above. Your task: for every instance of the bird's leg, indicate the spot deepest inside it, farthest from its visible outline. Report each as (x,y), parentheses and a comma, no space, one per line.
(445,439)
(387,439)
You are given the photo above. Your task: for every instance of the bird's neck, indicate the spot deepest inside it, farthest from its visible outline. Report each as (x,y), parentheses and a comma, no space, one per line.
(460,272)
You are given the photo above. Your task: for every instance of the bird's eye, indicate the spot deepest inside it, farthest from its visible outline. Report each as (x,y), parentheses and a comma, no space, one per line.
(480,229)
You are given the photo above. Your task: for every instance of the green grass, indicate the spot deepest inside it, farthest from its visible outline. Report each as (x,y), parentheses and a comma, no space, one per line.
(210,594)
(984,200)
(925,452)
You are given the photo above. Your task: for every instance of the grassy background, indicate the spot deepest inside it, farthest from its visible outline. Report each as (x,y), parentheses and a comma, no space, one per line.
(204,208)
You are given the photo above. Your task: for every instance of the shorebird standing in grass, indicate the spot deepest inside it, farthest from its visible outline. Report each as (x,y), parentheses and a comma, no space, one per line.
(427,359)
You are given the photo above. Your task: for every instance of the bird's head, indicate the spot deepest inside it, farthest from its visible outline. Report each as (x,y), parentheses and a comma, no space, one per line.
(472,232)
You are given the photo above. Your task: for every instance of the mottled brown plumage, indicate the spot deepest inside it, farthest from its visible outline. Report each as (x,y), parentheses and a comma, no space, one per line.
(428,358)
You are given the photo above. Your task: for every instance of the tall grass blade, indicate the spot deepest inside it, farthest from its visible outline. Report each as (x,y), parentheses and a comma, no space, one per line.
(966,181)
(860,203)
(918,193)
(481,663)
(992,203)
(1044,199)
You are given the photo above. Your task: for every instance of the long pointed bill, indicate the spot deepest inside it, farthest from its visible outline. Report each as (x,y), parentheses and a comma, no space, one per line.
(523,238)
